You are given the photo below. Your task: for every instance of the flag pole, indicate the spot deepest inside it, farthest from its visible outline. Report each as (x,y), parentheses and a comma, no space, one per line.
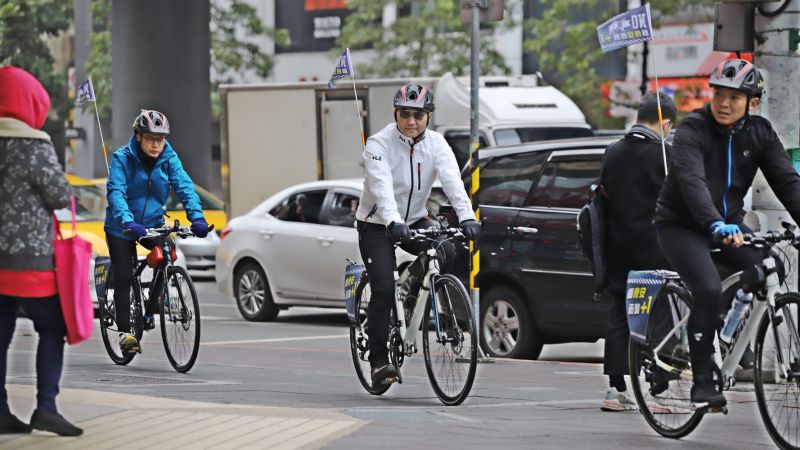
(658,95)
(97,114)
(355,94)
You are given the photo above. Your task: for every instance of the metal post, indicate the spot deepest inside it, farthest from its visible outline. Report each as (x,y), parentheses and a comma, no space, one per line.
(475,167)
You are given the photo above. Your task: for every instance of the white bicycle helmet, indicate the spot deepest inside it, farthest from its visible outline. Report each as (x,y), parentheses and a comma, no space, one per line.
(151,121)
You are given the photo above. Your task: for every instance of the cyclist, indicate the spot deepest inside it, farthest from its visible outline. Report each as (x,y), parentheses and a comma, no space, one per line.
(139,181)
(716,152)
(401,163)
(632,175)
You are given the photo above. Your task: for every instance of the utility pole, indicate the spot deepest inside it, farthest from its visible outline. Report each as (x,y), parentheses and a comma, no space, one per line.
(777,35)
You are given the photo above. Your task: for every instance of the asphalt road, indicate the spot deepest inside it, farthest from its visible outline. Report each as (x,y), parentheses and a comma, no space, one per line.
(303,361)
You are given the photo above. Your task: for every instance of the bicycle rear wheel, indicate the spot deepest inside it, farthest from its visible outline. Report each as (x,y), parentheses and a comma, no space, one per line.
(664,398)
(108,324)
(180,320)
(778,386)
(448,341)
(359,340)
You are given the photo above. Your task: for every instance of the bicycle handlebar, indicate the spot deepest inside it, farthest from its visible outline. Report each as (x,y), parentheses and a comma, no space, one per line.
(437,231)
(166,230)
(773,237)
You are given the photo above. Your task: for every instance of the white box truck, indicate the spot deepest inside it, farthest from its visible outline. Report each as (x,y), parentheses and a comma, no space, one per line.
(279,134)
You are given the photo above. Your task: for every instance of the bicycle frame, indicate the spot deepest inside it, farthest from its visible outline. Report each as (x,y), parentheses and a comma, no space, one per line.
(759,307)
(408,332)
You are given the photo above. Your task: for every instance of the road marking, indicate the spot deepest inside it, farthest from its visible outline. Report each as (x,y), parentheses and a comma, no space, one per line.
(262,341)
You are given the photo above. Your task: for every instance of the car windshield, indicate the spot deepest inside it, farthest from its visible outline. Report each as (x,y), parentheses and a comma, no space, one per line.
(90,204)
(207,201)
(513,136)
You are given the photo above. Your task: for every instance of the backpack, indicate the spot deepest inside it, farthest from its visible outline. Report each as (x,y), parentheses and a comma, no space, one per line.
(591,228)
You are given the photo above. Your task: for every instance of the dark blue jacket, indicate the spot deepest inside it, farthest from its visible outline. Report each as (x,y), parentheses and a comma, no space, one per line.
(134,195)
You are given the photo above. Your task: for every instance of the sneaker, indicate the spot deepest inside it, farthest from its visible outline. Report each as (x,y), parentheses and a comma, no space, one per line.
(129,344)
(705,394)
(53,422)
(384,374)
(619,401)
(667,403)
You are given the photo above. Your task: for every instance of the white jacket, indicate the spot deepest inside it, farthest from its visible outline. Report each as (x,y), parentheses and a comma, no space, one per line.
(399,177)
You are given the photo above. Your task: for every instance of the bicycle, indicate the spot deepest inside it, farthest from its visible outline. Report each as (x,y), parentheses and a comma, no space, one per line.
(659,355)
(448,340)
(175,302)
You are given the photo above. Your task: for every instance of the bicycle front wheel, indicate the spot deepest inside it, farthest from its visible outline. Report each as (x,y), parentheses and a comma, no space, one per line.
(109,329)
(180,320)
(664,398)
(448,341)
(359,339)
(777,381)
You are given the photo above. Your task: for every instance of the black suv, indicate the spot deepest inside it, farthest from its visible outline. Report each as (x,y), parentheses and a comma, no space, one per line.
(535,284)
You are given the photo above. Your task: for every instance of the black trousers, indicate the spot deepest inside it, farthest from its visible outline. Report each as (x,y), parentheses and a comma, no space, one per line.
(123,261)
(615,360)
(48,321)
(688,252)
(377,252)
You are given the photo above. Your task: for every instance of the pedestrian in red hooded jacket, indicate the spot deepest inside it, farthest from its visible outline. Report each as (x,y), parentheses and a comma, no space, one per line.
(32,186)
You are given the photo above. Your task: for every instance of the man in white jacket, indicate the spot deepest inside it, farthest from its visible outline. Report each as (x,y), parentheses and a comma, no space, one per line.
(401,163)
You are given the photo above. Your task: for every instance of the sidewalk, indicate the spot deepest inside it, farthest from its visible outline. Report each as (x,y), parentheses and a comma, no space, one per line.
(124,421)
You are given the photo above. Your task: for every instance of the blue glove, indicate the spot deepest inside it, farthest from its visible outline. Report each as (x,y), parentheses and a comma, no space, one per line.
(134,229)
(722,229)
(471,229)
(398,232)
(200,228)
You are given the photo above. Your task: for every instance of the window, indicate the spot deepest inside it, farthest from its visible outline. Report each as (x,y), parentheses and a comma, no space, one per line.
(566,183)
(90,205)
(459,142)
(506,180)
(343,210)
(513,136)
(300,207)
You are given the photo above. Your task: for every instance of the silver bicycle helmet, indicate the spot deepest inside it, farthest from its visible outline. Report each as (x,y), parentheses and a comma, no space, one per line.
(151,121)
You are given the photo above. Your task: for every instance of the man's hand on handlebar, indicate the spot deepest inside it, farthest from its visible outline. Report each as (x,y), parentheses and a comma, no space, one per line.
(727,233)
(134,229)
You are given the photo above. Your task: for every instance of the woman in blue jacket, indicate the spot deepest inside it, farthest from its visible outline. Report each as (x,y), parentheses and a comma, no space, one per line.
(139,180)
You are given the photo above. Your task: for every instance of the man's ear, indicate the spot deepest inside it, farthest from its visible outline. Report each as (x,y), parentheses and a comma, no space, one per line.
(138,138)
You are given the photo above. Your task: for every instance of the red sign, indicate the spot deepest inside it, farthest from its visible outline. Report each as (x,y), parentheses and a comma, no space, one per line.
(318,5)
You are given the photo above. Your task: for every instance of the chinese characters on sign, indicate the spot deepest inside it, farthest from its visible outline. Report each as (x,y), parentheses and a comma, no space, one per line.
(628,28)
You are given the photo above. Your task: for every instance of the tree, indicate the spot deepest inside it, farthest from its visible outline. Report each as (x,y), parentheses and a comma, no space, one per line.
(568,48)
(23,23)
(234,27)
(429,41)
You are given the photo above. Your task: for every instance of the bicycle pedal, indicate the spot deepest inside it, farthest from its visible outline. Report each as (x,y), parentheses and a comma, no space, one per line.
(704,407)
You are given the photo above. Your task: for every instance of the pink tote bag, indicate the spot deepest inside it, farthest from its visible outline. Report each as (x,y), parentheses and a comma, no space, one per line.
(72,256)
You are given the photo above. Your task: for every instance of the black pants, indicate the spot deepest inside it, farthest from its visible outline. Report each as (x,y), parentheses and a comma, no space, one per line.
(688,253)
(377,252)
(123,261)
(615,360)
(48,321)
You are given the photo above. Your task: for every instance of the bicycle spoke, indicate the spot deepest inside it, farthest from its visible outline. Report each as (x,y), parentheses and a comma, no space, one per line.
(180,320)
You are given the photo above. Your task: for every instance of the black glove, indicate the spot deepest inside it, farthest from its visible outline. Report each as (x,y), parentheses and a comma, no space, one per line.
(200,228)
(471,229)
(398,232)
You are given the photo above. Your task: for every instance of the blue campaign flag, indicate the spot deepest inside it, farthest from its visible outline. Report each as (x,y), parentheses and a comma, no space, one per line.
(84,93)
(628,28)
(344,68)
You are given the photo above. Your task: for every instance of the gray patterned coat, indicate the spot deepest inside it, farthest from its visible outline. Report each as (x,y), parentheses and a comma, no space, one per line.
(32,186)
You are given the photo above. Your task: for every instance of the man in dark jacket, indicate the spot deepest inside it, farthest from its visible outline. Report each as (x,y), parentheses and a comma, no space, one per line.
(632,174)
(32,186)
(716,153)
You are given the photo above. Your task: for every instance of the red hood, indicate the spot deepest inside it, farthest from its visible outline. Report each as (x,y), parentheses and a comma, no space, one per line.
(23,97)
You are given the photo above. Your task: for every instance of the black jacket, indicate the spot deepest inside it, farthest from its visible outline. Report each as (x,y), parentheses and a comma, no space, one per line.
(713,166)
(632,175)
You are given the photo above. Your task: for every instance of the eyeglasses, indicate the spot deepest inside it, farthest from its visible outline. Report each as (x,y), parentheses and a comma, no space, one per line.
(406,113)
(154,139)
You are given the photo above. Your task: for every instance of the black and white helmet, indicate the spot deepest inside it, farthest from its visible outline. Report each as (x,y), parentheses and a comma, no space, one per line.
(151,121)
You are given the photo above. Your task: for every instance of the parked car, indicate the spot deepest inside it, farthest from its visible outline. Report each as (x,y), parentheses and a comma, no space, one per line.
(535,284)
(199,252)
(292,249)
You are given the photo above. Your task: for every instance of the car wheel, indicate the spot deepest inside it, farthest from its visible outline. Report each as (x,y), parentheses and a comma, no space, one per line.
(252,293)
(508,330)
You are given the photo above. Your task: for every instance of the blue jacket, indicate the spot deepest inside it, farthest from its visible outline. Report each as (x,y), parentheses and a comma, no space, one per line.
(133,196)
